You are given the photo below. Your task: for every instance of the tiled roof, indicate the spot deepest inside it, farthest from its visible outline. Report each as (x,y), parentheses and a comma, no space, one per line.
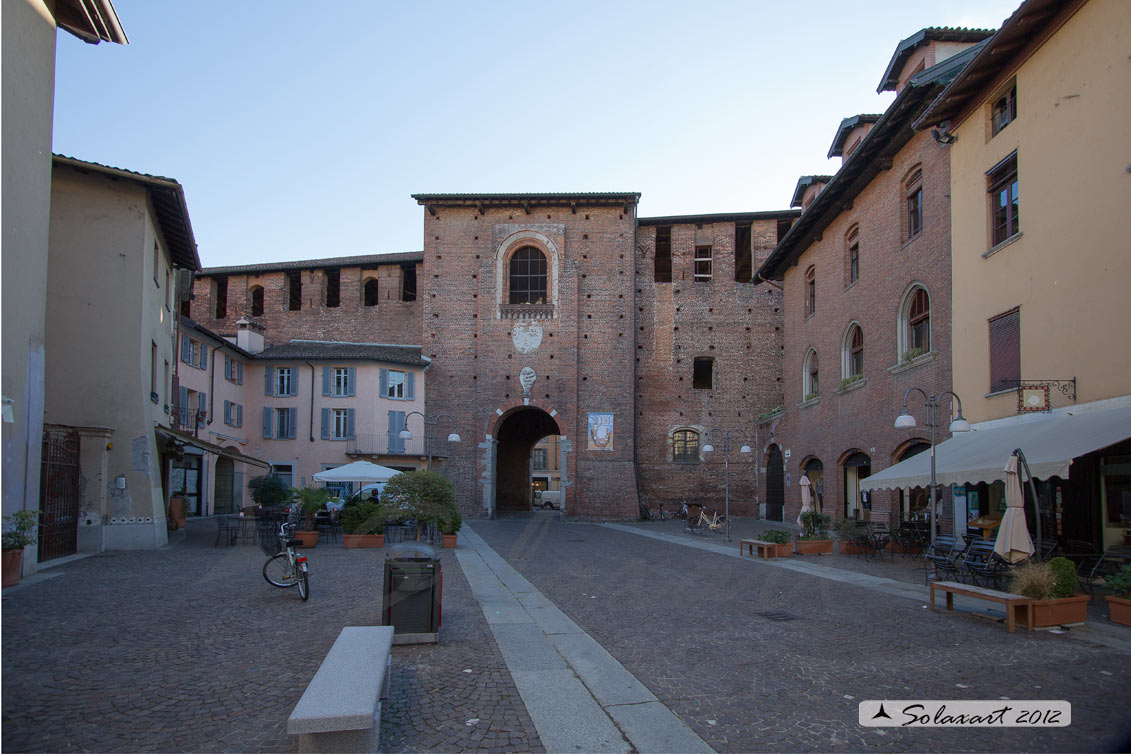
(803,183)
(526,201)
(845,128)
(168,204)
(931,34)
(338,351)
(368,260)
(720,217)
(191,323)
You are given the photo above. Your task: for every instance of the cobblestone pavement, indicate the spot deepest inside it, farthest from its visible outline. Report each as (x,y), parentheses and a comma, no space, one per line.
(758,658)
(189,649)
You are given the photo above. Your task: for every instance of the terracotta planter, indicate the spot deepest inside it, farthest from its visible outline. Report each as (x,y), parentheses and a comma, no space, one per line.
(12,563)
(847,548)
(450,540)
(363,540)
(177,516)
(785,550)
(1120,610)
(1059,612)
(812,546)
(307,539)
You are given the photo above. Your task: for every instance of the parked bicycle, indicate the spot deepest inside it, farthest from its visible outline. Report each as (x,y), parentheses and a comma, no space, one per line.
(285,567)
(683,512)
(705,524)
(646,512)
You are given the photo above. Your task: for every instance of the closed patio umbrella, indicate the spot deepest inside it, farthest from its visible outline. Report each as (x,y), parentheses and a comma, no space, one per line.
(1013,542)
(806,497)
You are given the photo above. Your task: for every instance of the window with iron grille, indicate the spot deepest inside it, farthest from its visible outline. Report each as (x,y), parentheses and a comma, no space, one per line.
(528,276)
(1004,200)
(685,446)
(1005,351)
(702,264)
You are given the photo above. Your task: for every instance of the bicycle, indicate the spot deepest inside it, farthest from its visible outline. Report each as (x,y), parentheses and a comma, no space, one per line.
(706,524)
(285,567)
(646,512)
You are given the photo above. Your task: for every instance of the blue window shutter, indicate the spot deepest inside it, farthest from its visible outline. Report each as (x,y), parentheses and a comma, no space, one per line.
(227,412)
(203,355)
(292,420)
(239,372)
(183,405)
(396,424)
(268,379)
(202,400)
(294,382)
(384,387)
(351,381)
(268,416)
(326,419)
(227,367)
(349,423)
(325,380)
(410,386)
(186,349)
(239,414)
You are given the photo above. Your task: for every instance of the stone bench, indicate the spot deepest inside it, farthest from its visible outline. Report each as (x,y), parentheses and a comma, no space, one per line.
(340,711)
(1012,602)
(765,549)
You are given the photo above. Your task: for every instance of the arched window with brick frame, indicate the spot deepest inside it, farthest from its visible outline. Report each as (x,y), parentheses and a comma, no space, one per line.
(915,322)
(256,295)
(811,386)
(527,278)
(853,361)
(526,270)
(370,292)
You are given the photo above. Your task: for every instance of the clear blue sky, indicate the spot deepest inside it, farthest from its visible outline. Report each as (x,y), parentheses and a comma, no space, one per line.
(300,129)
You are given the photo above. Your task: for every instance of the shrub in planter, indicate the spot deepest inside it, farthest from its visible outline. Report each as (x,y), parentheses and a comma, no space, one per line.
(269,490)
(814,538)
(1052,587)
(781,538)
(426,496)
(363,525)
(1119,602)
(311,500)
(846,529)
(19,532)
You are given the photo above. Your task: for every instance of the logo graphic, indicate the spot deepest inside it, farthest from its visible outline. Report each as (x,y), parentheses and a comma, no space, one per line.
(964,713)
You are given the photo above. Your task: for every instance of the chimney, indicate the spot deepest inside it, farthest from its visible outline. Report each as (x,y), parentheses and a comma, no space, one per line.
(249,335)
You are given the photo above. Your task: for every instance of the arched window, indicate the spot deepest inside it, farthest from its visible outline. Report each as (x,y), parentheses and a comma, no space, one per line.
(811,384)
(370,292)
(913,204)
(685,446)
(853,352)
(528,276)
(914,323)
(852,255)
(257,301)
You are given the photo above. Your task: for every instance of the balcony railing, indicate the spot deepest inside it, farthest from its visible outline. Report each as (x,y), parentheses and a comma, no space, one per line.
(379,445)
(188,420)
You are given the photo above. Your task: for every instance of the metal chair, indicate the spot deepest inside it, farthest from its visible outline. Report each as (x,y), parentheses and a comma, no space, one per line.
(227,530)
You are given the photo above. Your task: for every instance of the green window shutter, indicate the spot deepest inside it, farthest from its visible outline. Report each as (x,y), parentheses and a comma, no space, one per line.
(325,380)
(268,422)
(327,417)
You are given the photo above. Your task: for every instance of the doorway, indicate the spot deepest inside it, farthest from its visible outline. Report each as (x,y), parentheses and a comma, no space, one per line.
(517,435)
(857,505)
(775,484)
(224,496)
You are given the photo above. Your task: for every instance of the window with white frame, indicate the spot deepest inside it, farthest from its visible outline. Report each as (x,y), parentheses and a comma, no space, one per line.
(853,367)
(280,423)
(915,323)
(342,423)
(702,264)
(397,385)
(194,353)
(539,459)
(233,414)
(342,382)
(811,387)
(284,381)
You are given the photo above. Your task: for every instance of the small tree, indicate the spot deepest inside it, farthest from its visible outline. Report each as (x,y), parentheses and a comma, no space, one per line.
(427,496)
(363,518)
(19,529)
(815,525)
(269,490)
(310,501)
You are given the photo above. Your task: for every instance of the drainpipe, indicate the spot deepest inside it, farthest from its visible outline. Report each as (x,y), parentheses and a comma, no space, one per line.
(759,279)
(311,399)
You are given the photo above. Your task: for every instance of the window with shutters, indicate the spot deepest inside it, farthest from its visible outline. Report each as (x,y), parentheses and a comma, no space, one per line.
(342,382)
(233,370)
(663,264)
(685,446)
(233,414)
(194,353)
(342,424)
(284,381)
(395,386)
(1005,207)
(286,423)
(1005,351)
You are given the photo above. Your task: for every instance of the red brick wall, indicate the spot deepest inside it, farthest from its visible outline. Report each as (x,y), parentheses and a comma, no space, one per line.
(583,361)
(862,419)
(740,326)
(391,321)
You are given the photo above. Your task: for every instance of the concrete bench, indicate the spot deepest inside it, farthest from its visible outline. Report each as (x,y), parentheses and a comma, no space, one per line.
(340,711)
(765,549)
(1011,602)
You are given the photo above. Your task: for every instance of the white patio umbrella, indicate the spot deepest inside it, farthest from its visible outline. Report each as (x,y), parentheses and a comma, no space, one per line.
(1013,542)
(806,497)
(358,471)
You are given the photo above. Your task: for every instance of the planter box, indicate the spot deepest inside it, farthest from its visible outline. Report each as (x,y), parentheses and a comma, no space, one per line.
(307,539)
(363,540)
(13,561)
(1120,610)
(785,550)
(1063,611)
(450,541)
(812,546)
(847,548)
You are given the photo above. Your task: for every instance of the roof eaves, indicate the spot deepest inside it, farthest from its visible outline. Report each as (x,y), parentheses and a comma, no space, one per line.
(932,33)
(718,217)
(92,21)
(845,128)
(803,183)
(193,324)
(368,260)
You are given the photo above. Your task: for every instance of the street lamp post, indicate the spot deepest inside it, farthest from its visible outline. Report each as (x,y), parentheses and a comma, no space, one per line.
(726,447)
(432,421)
(933,403)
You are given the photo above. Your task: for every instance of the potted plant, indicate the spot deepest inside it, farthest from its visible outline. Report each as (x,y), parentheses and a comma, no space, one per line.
(310,500)
(363,525)
(427,496)
(1119,603)
(846,530)
(814,538)
(19,532)
(781,538)
(450,526)
(1052,587)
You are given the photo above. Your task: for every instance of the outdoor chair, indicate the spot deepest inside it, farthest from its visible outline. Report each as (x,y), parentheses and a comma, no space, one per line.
(910,539)
(227,530)
(983,566)
(869,543)
(1045,548)
(1108,563)
(942,557)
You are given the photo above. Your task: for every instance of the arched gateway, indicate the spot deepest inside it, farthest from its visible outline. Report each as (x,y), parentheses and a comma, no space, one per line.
(516,435)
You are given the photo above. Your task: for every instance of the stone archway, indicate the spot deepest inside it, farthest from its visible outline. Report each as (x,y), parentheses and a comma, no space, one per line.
(517,434)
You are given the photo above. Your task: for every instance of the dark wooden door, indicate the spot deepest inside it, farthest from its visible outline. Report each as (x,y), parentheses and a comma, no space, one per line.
(775,485)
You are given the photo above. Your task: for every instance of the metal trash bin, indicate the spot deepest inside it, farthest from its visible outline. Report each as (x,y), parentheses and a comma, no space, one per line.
(412,593)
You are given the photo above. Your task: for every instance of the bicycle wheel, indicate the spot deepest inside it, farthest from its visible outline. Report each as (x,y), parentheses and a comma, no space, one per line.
(279,572)
(303,583)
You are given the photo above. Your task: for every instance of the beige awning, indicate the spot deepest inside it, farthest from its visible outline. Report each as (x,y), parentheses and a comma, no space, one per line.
(1050,442)
(187,439)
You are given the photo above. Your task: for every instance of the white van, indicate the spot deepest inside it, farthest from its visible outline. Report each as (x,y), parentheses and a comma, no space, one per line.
(550,499)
